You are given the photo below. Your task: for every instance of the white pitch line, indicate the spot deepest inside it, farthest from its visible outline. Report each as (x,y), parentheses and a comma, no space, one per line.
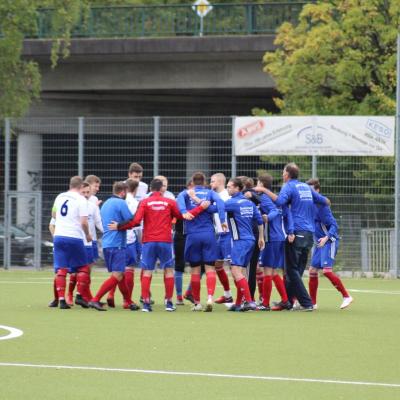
(202,374)
(367,291)
(162,285)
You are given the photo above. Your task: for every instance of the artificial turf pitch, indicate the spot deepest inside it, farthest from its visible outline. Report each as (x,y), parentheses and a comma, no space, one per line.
(147,355)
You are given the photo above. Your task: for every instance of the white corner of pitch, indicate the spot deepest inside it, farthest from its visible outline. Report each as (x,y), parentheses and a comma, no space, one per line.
(14,332)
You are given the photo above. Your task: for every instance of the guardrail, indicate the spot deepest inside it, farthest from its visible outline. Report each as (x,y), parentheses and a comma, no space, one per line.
(173,20)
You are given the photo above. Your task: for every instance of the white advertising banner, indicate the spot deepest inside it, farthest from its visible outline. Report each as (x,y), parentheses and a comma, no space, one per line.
(315,135)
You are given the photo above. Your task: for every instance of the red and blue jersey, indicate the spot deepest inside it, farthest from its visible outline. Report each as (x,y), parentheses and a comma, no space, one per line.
(204,222)
(301,199)
(241,214)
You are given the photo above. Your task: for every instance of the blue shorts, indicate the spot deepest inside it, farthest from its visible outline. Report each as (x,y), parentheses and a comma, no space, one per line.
(325,257)
(224,246)
(115,259)
(89,254)
(151,251)
(273,255)
(201,248)
(95,251)
(242,251)
(69,253)
(131,255)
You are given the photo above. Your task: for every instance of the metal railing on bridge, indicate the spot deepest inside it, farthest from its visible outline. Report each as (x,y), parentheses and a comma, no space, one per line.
(173,20)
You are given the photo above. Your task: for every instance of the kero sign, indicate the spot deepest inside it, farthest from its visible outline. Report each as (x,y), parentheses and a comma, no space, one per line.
(315,135)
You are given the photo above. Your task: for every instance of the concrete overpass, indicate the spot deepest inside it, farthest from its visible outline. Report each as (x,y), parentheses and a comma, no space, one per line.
(220,75)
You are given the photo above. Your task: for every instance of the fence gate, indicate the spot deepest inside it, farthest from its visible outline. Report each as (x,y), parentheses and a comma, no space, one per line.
(22,229)
(377,250)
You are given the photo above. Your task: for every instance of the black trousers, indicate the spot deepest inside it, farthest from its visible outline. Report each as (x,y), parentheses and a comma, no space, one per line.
(296,255)
(252,272)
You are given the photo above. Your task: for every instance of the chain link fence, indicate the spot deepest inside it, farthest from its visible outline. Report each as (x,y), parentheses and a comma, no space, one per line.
(41,154)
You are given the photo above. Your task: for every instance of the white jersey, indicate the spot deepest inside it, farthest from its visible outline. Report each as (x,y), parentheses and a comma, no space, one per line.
(70,207)
(141,191)
(169,195)
(94,199)
(217,222)
(95,220)
(132,205)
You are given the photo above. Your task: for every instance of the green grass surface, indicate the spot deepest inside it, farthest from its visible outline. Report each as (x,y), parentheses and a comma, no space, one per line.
(361,344)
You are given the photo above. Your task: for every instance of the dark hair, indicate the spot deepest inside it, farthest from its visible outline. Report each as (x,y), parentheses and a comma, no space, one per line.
(237,182)
(248,183)
(119,187)
(75,182)
(314,182)
(198,178)
(293,170)
(132,185)
(92,179)
(135,167)
(156,185)
(266,180)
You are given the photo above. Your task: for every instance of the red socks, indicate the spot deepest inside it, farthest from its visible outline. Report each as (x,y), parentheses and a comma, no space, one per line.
(169,287)
(223,277)
(72,284)
(107,285)
(83,285)
(280,287)
(60,281)
(243,288)
(195,283)
(146,280)
(267,289)
(211,282)
(335,280)
(260,279)
(313,286)
(124,290)
(130,280)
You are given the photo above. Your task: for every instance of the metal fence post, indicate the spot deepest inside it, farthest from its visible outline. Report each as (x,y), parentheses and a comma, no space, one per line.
(397,169)
(156,145)
(314,157)
(233,155)
(314,164)
(6,243)
(81,138)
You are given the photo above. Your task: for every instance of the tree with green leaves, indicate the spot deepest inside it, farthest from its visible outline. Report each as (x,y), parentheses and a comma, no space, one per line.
(339,59)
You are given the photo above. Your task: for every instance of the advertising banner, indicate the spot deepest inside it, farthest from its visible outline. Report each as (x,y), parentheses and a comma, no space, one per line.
(315,135)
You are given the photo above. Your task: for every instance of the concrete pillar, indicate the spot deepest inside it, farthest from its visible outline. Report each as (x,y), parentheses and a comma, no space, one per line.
(29,177)
(198,156)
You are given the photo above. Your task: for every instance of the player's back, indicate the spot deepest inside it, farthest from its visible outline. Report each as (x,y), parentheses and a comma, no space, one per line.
(203,222)
(114,209)
(302,205)
(158,212)
(325,222)
(241,213)
(69,207)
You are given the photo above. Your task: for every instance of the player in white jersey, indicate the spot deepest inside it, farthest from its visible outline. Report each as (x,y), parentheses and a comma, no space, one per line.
(166,193)
(217,183)
(94,184)
(135,172)
(132,246)
(90,188)
(70,211)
